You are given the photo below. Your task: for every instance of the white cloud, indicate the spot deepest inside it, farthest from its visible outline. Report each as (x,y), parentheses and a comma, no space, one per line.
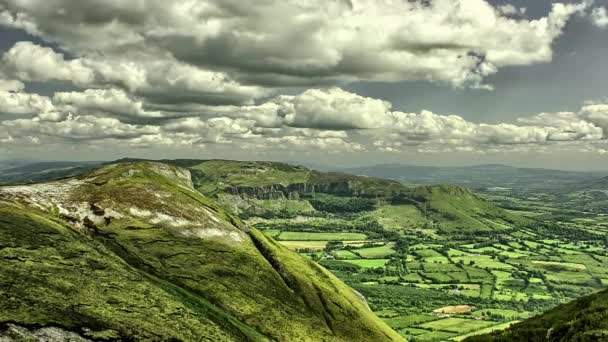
(599,17)
(11,85)
(458,42)
(29,62)
(80,128)
(332,109)
(597,114)
(162,80)
(510,10)
(112,101)
(24,104)
(323,119)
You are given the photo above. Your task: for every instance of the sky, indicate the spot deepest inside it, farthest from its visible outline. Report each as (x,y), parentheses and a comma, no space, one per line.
(333,82)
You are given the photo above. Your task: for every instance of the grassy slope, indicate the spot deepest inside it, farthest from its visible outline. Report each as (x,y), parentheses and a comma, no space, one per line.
(52,275)
(154,278)
(217,174)
(454,206)
(584,319)
(457,208)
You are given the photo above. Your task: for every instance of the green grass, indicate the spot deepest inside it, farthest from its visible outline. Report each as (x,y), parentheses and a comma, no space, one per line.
(579,320)
(457,325)
(375,252)
(369,263)
(394,217)
(345,254)
(237,173)
(272,232)
(483,261)
(496,327)
(313,245)
(306,236)
(401,322)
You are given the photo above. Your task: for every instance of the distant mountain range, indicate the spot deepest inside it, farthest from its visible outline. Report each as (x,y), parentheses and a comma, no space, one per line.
(482,176)
(486,176)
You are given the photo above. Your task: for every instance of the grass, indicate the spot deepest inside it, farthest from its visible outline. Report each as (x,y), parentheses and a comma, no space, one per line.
(456,325)
(558,266)
(409,320)
(306,236)
(369,263)
(375,252)
(346,254)
(395,217)
(272,232)
(482,261)
(313,245)
(451,309)
(487,330)
(220,173)
(511,314)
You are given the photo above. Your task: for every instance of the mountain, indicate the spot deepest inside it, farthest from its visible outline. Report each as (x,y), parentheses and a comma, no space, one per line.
(131,251)
(260,188)
(455,208)
(584,319)
(44,171)
(591,185)
(480,176)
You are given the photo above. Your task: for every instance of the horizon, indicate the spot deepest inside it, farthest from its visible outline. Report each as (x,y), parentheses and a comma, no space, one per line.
(310,164)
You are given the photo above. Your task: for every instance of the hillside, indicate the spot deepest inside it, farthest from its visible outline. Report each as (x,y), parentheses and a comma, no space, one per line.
(44,171)
(583,319)
(132,252)
(264,188)
(591,185)
(453,207)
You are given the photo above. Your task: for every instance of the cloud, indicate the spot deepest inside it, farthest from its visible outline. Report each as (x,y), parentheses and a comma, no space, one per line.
(597,114)
(113,101)
(159,80)
(510,10)
(330,119)
(11,85)
(332,108)
(29,62)
(24,104)
(230,48)
(80,128)
(599,17)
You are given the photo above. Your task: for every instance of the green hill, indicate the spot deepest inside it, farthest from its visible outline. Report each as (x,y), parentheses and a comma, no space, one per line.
(453,207)
(133,252)
(256,188)
(584,319)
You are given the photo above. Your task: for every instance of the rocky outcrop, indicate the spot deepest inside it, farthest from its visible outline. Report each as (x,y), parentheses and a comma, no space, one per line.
(297,190)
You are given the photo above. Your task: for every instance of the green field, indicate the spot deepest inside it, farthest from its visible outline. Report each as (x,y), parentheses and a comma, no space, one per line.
(501,326)
(369,263)
(374,252)
(457,325)
(305,236)
(295,245)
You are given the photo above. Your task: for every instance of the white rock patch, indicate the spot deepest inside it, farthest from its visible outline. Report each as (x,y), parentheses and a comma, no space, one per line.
(213,233)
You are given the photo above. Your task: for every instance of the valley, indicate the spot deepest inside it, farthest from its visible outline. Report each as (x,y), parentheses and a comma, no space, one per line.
(411,250)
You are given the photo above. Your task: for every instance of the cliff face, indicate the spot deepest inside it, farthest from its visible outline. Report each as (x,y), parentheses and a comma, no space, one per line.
(298,190)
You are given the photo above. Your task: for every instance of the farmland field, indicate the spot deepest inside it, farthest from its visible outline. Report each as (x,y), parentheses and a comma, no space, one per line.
(305,236)
(455,266)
